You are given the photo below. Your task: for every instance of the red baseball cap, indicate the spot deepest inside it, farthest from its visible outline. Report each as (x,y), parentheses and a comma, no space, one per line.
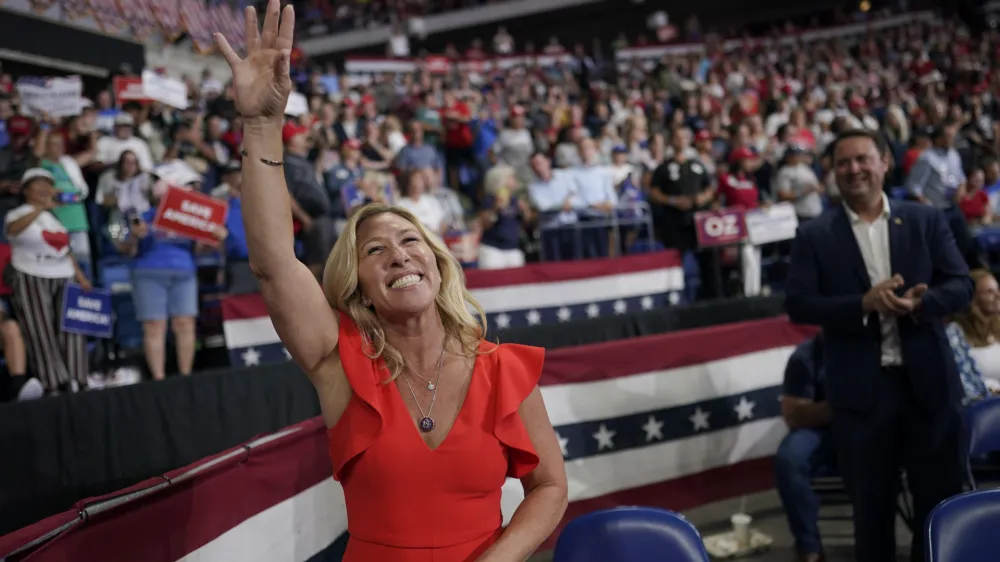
(517,110)
(353,144)
(741,154)
(292,130)
(19,126)
(703,135)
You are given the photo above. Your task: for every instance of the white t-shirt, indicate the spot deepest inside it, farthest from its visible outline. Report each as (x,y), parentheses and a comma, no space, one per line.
(795,180)
(427,210)
(41,249)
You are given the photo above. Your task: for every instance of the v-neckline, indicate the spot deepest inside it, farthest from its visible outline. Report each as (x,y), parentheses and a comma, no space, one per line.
(414,425)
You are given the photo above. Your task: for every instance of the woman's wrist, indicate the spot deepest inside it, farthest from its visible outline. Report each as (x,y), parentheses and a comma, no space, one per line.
(262,139)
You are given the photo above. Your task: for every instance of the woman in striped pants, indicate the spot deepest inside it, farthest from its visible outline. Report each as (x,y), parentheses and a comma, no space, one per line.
(42,266)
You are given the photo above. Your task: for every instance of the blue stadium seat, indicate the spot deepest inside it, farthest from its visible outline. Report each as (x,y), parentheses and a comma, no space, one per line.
(982,421)
(964,528)
(630,534)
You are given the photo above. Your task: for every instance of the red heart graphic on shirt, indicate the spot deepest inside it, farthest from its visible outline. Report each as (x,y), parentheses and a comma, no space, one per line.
(58,240)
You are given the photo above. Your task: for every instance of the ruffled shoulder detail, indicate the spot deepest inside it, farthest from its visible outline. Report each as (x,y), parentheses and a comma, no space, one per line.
(517,369)
(361,423)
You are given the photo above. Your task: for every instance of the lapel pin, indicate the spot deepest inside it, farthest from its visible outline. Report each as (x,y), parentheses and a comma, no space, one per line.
(898,220)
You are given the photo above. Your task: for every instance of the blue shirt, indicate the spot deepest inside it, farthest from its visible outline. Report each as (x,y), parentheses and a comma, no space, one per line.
(936,176)
(418,158)
(236,242)
(595,184)
(486,136)
(548,197)
(805,373)
(163,251)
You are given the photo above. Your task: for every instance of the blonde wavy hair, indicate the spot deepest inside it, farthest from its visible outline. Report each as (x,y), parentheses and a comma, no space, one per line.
(453,301)
(980,329)
(497,178)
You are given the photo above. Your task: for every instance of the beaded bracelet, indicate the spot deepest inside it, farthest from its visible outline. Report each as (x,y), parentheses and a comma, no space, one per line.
(274,163)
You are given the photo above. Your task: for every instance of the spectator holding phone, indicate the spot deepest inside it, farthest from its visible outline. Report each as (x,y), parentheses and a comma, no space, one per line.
(41,265)
(124,188)
(164,284)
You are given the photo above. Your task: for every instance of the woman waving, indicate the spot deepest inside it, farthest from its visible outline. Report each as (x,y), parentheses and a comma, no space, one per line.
(426,419)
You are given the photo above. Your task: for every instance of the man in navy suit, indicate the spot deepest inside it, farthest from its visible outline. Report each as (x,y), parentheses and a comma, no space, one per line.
(879,277)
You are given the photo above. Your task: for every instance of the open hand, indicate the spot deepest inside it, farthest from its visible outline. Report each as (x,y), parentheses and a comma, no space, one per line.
(261,81)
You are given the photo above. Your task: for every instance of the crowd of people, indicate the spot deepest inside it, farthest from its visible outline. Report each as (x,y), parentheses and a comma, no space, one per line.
(505,166)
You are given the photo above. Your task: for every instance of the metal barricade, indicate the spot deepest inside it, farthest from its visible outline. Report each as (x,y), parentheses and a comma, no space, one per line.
(643,217)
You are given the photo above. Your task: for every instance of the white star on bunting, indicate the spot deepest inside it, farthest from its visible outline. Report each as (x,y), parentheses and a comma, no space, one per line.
(620,306)
(250,357)
(533,318)
(563,441)
(605,438)
(564,314)
(502,320)
(699,419)
(675,297)
(653,429)
(288,355)
(646,302)
(593,310)
(744,409)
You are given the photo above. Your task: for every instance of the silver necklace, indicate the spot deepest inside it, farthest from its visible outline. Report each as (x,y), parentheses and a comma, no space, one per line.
(426,423)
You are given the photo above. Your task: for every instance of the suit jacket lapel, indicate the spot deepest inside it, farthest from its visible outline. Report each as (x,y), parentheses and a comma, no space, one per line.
(850,249)
(895,228)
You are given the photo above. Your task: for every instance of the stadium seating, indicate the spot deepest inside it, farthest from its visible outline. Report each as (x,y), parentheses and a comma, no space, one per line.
(630,534)
(982,419)
(963,528)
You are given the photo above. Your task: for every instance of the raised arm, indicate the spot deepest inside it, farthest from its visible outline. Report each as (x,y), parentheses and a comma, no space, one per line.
(301,315)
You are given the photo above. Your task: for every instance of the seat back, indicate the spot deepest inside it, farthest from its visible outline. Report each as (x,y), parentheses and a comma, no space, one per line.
(982,420)
(965,528)
(630,534)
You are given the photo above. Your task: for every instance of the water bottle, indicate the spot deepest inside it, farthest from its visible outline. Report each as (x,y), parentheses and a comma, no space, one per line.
(67,198)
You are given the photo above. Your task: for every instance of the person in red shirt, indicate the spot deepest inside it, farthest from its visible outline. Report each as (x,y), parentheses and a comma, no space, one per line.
(739,190)
(737,186)
(458,138)
(975,202)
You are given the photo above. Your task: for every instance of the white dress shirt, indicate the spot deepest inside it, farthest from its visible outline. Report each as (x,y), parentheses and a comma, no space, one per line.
(873,241)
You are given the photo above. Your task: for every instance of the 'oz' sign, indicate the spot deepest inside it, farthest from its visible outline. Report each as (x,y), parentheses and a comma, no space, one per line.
(191,215)
(720,228)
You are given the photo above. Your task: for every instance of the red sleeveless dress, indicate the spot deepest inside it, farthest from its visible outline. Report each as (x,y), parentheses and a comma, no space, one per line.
(408,503)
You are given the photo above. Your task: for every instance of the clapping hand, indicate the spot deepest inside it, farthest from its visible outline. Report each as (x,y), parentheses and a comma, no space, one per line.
(882,298)
(261,81)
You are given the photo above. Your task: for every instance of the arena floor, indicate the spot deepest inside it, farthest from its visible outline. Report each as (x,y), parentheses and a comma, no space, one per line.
(769,518)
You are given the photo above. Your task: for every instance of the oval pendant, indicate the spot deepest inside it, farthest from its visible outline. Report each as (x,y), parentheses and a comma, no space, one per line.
(430,386)
(426,424)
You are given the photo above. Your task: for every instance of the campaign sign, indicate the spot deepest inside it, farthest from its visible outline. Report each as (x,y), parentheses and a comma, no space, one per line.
(191,215)
(772,224)
(87,312)
(720,228)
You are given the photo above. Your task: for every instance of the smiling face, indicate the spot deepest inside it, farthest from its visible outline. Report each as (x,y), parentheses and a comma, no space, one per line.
(397,269)
(860,168)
